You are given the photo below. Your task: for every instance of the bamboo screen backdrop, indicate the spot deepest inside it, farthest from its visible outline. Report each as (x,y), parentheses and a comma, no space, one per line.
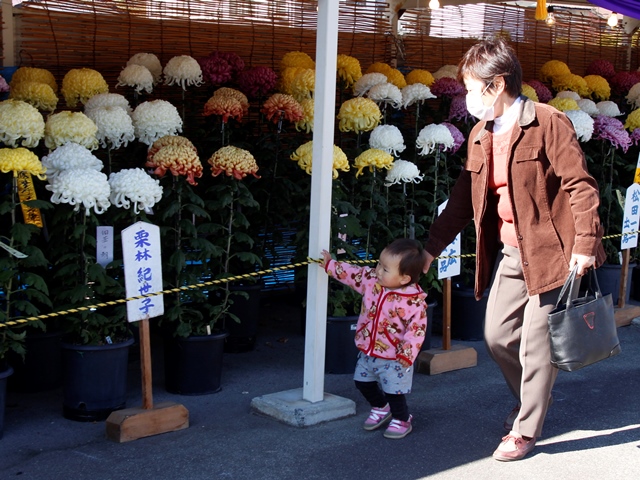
(103,34)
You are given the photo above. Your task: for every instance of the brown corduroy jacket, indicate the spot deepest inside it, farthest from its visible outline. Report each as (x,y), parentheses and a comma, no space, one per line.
(554,200)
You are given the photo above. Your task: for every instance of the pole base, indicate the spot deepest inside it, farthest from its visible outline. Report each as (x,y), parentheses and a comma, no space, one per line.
(134,423)
(435,361)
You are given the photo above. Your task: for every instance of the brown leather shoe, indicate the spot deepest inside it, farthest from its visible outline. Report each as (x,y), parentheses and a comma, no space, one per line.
(513,448)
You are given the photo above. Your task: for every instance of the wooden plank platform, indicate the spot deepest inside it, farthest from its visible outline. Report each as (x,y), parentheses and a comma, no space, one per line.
(626,314)
(438,360)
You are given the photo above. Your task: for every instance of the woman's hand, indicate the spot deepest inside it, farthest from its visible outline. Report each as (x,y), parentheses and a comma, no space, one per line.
(427,263)
(583,262)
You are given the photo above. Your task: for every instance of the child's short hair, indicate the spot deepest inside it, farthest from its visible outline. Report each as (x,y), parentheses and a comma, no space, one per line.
(412,257)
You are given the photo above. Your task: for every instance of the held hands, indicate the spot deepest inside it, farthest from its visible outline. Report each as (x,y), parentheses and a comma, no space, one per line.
(326,256)
(582,261)
(427,263)
(403,362)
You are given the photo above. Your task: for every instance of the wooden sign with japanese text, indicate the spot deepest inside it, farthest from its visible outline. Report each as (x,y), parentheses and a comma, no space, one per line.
(449,265)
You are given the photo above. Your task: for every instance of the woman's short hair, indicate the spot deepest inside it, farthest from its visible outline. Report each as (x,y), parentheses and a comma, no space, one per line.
(489,59)
(412,257)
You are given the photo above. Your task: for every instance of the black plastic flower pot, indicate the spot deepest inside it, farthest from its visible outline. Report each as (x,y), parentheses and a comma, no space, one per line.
(341,353)
(41,368)
(4,375)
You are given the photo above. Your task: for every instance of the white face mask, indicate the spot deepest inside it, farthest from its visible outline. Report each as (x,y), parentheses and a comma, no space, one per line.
(477,108)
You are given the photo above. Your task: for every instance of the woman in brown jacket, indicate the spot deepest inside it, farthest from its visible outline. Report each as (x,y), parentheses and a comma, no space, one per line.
(535,208)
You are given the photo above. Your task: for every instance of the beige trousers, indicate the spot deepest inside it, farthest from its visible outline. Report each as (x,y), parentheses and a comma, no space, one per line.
(517,337)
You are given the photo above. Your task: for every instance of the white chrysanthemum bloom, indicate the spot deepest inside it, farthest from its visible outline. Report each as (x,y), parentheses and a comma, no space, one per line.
(450,71)
(70,156)
(386,93)
(568,94)
(66,126)
(633,97)
(155,119)
(20,123)
(588,106)
(366,81)
(150,61)
(403,171)
(115,127)
(387,138)
(183,70)
(608,108)
(108,100)
(83,187)
(137,186)
(582,124)
(137,76)
(433,135)
(417,92)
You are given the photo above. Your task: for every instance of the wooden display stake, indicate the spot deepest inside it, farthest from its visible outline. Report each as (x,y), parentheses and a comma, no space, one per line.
(133,423)
(449,357)
(624,313)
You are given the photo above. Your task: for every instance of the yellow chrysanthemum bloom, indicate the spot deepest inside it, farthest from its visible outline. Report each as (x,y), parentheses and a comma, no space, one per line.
(296,60)
(303,84)
(420,76)
(373,158)
(633,120)
(235,162)
(349,70)
(286,79)
(599,87)
(38,94)
(306,123)
(66,126)
(39,75)
(304,156)
(379,67)
(20,123)
(571,82)
(529,92)
(80,84)
(21,160)
(564,104)
(553,68)
(393,75)
(359,115)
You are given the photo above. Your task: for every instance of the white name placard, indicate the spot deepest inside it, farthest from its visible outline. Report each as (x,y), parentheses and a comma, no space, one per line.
(631,217)
(104,246)
(142,270)
(449,267)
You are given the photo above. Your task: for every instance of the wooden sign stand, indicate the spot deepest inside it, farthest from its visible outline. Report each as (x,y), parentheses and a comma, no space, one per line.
(134,423)
(449,357)
(624,313)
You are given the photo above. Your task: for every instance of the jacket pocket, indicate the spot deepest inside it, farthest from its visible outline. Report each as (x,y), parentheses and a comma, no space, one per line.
(527,153)
(474,165)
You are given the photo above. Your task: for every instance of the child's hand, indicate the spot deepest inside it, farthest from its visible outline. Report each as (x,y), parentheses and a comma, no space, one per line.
(404,363)
(326,256)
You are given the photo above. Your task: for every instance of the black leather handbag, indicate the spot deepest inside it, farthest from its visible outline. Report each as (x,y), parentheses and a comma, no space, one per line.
(582,331)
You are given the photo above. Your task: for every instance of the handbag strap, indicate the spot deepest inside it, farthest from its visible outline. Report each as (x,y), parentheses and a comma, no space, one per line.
(569,286)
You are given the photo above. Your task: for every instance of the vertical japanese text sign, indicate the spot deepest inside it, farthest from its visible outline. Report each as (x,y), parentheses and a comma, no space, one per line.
(104,245)
(450,266)
(142,270)
(631,217)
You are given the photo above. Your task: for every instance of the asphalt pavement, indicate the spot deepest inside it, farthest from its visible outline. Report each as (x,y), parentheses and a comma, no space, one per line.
(592,430)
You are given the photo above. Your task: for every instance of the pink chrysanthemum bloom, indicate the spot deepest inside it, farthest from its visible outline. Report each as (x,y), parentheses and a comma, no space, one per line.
(447,87)
(612,130)
(622,82)
(257,81)
(227,107)
(215,70)
(635,136)
(4,86)
(544,94)
(237,94)
(282,105)
(175,140)
(232,59)
(604,68)
(458,110)
(458,137)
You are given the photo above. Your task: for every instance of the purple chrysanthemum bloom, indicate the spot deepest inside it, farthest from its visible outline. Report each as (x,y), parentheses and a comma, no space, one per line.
(4,86)
(458,110)
(635,136)
(544,94)
(611,129)
(604,68)
(215,69)
(622,82)
(458,137)
(234,61)
(257,81)
(447,87)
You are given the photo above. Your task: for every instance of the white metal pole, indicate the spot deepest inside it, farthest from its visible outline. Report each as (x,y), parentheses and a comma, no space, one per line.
(320,208)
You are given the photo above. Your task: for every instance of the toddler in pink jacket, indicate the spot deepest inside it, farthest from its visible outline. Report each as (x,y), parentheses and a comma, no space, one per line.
(390,330)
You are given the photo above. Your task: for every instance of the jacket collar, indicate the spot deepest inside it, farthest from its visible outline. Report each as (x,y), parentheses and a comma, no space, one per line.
(527,116)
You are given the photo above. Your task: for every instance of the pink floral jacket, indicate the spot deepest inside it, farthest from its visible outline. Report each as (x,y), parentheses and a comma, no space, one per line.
(392,323)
